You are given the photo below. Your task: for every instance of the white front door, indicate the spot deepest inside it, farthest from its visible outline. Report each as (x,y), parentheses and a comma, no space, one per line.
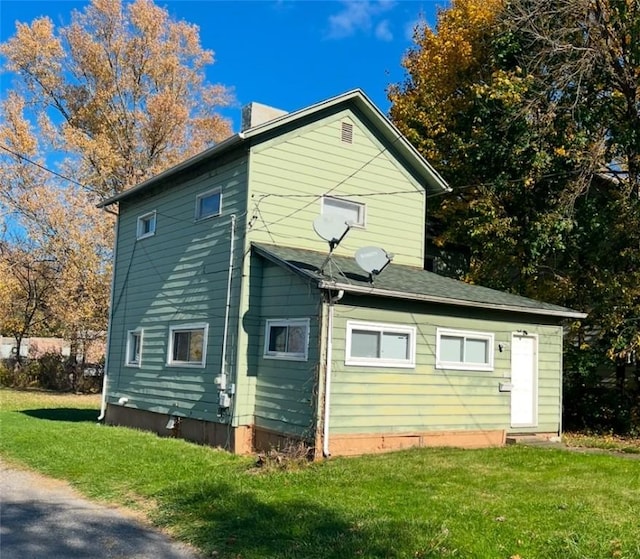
(524,380)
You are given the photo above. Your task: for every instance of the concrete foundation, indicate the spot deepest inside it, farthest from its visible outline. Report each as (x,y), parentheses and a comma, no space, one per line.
(247,439)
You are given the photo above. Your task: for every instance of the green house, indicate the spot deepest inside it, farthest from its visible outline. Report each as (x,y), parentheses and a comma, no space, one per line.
(272,290)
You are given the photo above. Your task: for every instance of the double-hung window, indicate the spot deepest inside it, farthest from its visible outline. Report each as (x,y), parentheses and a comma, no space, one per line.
(372,344)
(464,350)
(188,345)
(348,211)
(146,226)
(134,348)
(208,204)
(287,339)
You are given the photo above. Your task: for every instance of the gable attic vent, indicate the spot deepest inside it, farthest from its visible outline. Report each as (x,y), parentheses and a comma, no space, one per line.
(347,133)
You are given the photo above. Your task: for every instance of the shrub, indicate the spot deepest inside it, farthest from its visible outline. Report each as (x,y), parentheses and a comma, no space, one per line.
(52,373)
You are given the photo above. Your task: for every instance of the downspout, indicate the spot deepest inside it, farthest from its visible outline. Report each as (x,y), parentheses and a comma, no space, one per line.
(103,400)
(225,332)
(327,376)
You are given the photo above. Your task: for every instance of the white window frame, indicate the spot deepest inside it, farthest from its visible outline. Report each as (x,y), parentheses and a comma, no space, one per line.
(202,195)
(173,329)
(358,206)
(148,217)
(381,328)
(286,322)
(465,335)
(131,334)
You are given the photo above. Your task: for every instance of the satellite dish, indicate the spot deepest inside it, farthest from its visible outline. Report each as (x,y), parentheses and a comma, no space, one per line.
(373,260)
(331,229)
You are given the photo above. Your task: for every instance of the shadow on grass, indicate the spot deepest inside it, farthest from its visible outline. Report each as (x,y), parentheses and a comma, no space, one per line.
(74,415)
(227,522)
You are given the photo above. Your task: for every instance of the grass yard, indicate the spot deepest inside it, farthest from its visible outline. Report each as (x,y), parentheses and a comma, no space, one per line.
(512,502)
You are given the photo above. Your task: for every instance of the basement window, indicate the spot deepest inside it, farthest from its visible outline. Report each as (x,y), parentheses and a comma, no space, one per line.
(287,339)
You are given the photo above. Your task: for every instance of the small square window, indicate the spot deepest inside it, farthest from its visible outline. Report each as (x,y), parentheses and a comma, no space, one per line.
(287,339)
(146,225)
(380,345)
(462,350)
(188,345)
(134,348)
(352,213)
(208,204)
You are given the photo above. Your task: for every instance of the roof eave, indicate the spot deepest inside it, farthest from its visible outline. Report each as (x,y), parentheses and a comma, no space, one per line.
(349,288)
(389,130)
(421,166)
(210,152)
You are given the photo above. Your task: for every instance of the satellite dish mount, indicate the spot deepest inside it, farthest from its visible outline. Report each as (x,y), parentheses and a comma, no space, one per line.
(332,230)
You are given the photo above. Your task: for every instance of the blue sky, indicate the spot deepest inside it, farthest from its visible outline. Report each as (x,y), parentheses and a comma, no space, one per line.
(283,53)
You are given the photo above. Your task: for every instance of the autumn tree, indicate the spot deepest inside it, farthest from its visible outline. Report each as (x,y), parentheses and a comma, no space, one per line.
(27,279)
(121,89)
(98,105)
(463,105)
(530,110)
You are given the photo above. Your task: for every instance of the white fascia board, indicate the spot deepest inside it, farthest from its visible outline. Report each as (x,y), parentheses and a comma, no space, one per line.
(446,300)
(389,130)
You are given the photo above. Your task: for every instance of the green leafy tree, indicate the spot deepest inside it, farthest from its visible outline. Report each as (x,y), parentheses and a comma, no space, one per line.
(530,110)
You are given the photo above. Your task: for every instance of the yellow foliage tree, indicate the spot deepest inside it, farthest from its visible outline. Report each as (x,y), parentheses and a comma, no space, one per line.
(121,89)
(97,106)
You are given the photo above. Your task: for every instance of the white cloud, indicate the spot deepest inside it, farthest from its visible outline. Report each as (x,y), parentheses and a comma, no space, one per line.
(359,16)
(383,31)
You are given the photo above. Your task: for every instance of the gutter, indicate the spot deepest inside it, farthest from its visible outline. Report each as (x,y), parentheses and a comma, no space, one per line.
(103,399)
(447,300)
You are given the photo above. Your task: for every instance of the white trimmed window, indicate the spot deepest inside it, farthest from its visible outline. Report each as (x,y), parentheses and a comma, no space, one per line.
(188,345)
(464,350)
(345,210)
(146,225)
(287,339)
(134,348)
(208,204)
(372,344)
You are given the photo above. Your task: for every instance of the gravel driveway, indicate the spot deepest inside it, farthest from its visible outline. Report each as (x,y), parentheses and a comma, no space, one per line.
(41,518)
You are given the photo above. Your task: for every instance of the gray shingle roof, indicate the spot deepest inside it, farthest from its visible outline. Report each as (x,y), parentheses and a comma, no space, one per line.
(404,282)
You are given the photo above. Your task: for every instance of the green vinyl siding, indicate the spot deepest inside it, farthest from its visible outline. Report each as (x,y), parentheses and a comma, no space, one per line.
(176,277)
(284,400)
(289,175)
(376,399)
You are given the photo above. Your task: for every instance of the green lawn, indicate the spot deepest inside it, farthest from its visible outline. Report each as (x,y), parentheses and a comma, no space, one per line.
(512,502)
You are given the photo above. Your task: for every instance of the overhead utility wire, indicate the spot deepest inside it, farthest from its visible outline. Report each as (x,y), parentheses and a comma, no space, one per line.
(24,158)
(353,174)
